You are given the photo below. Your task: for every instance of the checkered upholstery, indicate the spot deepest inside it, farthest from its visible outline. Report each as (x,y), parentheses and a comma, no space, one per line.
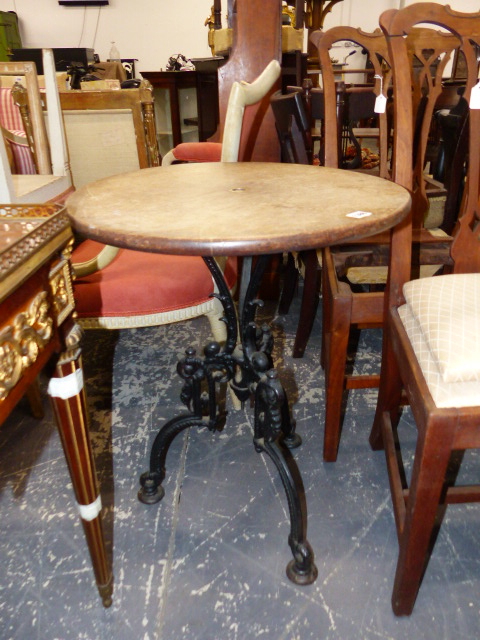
(442,320)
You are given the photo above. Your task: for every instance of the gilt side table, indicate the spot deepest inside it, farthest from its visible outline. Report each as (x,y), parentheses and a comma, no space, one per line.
(37,322)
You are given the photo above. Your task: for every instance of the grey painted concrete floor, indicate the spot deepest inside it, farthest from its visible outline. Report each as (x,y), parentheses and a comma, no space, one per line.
(209,561)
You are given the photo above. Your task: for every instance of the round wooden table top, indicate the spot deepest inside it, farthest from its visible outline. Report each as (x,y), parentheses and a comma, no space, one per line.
(235,208)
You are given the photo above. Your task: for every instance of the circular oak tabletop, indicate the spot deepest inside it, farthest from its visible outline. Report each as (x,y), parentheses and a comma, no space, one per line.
(235,208)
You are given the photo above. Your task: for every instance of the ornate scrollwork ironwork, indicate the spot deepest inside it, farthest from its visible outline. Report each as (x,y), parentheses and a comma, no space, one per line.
(248,368)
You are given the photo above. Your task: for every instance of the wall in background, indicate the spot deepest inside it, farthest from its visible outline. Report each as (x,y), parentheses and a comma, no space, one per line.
(150,30)
(153,30)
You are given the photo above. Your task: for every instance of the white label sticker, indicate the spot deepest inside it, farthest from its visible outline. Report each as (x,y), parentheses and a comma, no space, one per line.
(359,214)
(475,97)
(380,104)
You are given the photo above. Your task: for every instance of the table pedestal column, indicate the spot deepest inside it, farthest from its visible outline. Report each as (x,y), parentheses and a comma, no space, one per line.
(249,370)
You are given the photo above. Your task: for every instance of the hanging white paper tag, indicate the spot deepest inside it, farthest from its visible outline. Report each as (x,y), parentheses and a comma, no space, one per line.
(380,104)
(475,97)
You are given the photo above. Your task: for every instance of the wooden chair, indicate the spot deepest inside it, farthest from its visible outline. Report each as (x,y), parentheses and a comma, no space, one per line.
(454,153)
(256,41)
(17,127)
(111,132)
(431,350)
(353,276)
(242,95)
(52,181)
(349,105)
(293,127)
(107,132)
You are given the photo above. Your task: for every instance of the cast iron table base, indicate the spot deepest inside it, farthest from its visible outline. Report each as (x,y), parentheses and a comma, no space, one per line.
(249,370)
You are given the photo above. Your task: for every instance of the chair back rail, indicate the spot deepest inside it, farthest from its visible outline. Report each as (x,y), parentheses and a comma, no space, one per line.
(137,102)
(375,44)
(465,28)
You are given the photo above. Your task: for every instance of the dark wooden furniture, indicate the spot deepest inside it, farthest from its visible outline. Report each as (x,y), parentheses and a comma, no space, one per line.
(446,412)
(37,323)
(173,82)
(241,209)
(350,302)
(293,127)
(205,118)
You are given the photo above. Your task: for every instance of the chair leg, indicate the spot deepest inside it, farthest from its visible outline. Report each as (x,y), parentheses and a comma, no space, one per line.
(335,359)
(217,326)
(428,477)
(290,280)
(326,314)
(389,394)
(309,305)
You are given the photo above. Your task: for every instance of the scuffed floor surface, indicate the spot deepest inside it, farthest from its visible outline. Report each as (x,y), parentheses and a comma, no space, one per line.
(208,562)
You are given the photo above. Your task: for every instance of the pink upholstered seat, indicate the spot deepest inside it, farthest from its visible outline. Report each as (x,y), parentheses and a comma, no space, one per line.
(11,120)
(198,152)
(139,289)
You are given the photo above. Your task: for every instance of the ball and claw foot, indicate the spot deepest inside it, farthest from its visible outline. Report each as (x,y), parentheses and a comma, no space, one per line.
(151,490)
(302,569)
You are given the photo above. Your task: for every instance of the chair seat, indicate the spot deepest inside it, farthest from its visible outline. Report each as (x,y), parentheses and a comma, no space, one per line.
(441,320)
(130,288)
(378,274)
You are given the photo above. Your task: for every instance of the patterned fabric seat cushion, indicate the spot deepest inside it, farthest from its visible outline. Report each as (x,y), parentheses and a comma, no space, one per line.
(442,319)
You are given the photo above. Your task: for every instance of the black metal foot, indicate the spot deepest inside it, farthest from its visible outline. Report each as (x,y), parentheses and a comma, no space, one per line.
(151,490)
(302,569)
(292,441)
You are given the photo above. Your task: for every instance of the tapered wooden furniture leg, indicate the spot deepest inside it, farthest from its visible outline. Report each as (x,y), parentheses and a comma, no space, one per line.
(428,476)
(389,395)
(290,280)
(336,345)
(68,397)
(35,400)
(308,309)
(326,313)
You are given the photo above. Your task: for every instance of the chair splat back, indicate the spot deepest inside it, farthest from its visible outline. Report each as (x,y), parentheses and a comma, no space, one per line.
(293,127)
(376,47)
